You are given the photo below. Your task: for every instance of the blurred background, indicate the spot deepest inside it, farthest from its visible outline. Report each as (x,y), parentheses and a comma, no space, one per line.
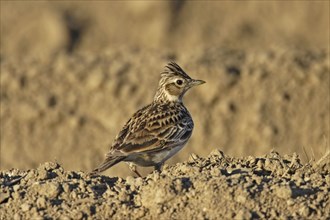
(72,73)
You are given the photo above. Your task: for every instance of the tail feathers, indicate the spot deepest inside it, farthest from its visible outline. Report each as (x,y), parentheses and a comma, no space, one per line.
(107,163)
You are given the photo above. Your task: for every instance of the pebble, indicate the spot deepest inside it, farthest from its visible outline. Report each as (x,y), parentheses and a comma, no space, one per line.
(30,175)
(258,180)
(73,195)
(4,196)
(241,199)
(290,202)
(122,196)
(82,186)
(65,217)
(243,214)
(78,214)
(16,187)
(41,202)
(251,159)
(260,164)
(215,171)
(304,211)
(51,166)
(193,158)
(25,207)
(42,174)
(117,188)
(139,213)
(66,187)
(130,180)
(268,164)
(273,213)
(283,192)
(138,181)
(49,190)
(327,179)
(17,216)
(16,195)
(218,153)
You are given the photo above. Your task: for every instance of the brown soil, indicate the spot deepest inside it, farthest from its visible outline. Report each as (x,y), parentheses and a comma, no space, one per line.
(215,187)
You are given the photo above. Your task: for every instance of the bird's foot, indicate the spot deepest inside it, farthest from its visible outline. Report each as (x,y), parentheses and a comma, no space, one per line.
(133,168)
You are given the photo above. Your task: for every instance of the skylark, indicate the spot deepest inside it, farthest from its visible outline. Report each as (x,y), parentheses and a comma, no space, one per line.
(159,130)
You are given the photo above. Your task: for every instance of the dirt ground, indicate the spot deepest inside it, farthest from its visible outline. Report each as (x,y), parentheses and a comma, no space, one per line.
(72,73)
(215,187)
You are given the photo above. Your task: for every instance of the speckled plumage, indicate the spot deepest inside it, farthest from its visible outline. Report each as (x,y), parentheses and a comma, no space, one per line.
(159,130)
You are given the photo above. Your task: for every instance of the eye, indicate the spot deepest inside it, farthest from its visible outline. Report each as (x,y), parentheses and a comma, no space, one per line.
(179,82)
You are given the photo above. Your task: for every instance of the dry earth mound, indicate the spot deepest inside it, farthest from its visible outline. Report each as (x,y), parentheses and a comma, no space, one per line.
(215,187)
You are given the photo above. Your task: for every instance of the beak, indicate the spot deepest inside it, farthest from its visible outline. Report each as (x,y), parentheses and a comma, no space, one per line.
(196,82)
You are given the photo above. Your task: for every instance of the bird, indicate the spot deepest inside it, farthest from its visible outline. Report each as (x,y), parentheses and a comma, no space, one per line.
(157,131)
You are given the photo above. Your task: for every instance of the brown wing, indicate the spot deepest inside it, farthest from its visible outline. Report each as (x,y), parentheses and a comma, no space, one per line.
(153,128)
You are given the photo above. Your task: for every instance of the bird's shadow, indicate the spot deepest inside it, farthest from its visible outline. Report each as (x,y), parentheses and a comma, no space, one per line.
(104,183)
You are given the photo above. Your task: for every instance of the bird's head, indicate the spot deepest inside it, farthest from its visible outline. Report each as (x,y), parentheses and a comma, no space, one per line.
(174,83)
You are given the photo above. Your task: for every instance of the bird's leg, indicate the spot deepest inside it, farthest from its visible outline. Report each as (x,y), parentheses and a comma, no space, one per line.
(133,168)
(159,167)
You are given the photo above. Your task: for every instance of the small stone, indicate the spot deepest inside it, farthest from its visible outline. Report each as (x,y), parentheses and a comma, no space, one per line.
(258,180)
(250,158)
(49,190)
(65,217)
(42,174)
(130,180)
(260,164)
(29,175)
(215,171)
(33,211)
(218,153)
(139,213)
(65,206)
(78,215)
(155,176)
(273,213)
(283,192)
(229,171)
(241,199)
(66,187)
(41,202)
(299,182)
(243,214)
(159,210)
(17,216)
(123,196)
(25,207)
(82,186)
(117,188)
(268,163)
(16,187)
(50,166)
(327,179)
(193,158)
(74,195)
(15,195)
(4,196)
(138,181)
(305,211)
(290,202)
